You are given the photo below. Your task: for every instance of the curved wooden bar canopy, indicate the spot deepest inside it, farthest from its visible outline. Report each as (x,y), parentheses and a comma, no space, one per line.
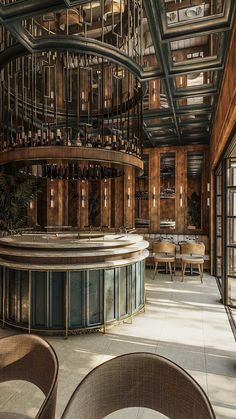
(52,153)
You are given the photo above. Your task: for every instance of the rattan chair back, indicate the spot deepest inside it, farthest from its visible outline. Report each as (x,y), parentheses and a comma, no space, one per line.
(139,380)
(164,247)
(30,358)
(192,249)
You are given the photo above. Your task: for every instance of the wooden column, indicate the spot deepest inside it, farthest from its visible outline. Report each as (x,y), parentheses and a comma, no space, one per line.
(180,189)
(106,203)
(154,188)
(32,213)
(129,196)
(83,204)
(53,215)
(117,202)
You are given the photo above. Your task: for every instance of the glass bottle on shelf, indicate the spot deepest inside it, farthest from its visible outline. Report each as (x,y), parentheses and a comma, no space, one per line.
(89,142)
(78,141)
(114,142)
(44,140)
(39,138)
(29,140)
(99,142)
(122,146)
(52,141)
(58,138)
(107,144)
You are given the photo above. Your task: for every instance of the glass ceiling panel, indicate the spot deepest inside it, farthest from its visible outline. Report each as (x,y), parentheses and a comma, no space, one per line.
(195,130)
(197,79)
(187,11)
(198,48)
(196,117)
(195,100)
(162,132)
(158,121)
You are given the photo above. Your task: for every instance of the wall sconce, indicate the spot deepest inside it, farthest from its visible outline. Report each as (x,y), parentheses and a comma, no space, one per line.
(31,204)
(208,193)
(128,197)
(181,196)
(82,197)
(51,198)
(105,197)
(154,196)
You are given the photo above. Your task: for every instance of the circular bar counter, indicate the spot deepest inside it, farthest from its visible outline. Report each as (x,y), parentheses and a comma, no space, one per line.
(68,282)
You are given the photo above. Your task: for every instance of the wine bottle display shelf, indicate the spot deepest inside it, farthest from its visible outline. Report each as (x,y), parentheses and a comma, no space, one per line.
(27,156)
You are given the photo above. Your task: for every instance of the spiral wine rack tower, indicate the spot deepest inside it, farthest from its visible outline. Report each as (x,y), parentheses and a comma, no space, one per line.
(72,118)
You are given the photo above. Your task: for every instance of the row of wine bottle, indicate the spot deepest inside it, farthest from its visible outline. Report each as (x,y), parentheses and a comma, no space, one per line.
(74,171)
(55,138)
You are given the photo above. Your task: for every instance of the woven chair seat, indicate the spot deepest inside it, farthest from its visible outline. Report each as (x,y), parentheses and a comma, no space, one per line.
(192,259)
(164,258)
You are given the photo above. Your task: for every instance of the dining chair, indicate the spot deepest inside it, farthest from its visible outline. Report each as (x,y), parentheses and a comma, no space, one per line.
(139,380)
(30,358)
(164,252)
(192,254)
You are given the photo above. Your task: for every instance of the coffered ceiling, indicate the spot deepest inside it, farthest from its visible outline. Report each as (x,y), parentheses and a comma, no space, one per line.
(177,51)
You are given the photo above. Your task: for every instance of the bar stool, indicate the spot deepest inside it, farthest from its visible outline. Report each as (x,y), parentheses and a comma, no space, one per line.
(164,252)
(192,254)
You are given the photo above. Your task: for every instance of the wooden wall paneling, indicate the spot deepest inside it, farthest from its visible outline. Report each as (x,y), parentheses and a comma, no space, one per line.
(206,193)
(65,202)
(129,189)
(32,213)
(225,115)
(62,202)
(154,186)
(84,191)
(73,203)
(106,203)
(78,212)
(180,182)
(42,203)
(223,127)
(117,202)
(53,216)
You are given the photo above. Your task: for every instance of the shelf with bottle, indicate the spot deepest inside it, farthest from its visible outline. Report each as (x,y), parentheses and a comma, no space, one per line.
(167,192)
(114,141)
(72,171)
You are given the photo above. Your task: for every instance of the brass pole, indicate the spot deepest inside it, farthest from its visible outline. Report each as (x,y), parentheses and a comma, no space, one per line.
(67,304)
(104,301)
(3,296)
(29,303)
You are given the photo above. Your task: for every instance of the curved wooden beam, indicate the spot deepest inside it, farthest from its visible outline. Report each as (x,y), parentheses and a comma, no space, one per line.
(37,154)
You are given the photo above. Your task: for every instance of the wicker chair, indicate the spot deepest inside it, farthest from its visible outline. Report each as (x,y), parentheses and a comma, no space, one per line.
(139,380)
(30,358)
(192,254)
(164,252)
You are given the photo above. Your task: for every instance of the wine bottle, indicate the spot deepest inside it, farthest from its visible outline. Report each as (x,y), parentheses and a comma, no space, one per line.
(58,139)
(39,138)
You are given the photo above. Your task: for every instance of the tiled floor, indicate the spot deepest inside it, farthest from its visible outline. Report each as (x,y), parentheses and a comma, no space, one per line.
(183,321)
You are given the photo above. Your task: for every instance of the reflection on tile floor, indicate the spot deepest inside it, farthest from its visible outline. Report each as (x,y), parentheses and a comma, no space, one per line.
(183,321)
